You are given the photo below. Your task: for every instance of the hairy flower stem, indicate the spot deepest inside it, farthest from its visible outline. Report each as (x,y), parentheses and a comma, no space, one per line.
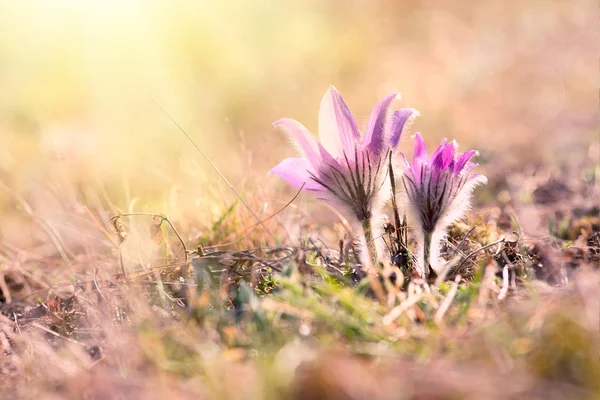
(426,253)
(370,242)
(373,259)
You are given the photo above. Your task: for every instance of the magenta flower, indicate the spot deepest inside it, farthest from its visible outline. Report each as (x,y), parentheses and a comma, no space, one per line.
(346,169)
(439,190)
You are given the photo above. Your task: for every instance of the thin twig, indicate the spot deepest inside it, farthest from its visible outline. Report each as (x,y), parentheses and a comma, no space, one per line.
(395,313)
(16,319)
(148,271)
(35,324)
(250,229)
(444,272)
(262,261)
(163,218)
(280,210)
(217,171)
(439,315)
(465,237)
(505,283)
(317,250)
(471,254)
(49,229)
(98,286)
(458,252)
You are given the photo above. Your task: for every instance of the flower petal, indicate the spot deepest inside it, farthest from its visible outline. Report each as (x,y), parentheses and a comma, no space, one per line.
(436,157)
(420,149)
(420,159)
(468,166)
(306,143)
(448,154)
(405,162)
(374,139)
(338,130)
(296,172)
(477,179)
(407,170)
(401,119)
(444,155)
(462,160)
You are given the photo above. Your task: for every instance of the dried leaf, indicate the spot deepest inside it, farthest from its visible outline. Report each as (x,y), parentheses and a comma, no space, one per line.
(120,229)
(156,233)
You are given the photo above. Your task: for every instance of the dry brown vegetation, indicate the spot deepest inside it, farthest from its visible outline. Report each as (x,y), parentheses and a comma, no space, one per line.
(201,301)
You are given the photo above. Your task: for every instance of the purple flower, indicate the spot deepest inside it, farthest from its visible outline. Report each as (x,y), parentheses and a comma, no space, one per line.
(439,190)
(345,168)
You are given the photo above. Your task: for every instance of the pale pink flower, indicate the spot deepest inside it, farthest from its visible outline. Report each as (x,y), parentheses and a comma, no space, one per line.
(439,191)
(346,169)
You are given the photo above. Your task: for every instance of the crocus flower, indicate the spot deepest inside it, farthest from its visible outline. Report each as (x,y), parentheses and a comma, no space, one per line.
(439,190)
(347,169)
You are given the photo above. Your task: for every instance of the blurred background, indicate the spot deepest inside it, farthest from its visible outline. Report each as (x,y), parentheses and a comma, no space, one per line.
(79,82)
